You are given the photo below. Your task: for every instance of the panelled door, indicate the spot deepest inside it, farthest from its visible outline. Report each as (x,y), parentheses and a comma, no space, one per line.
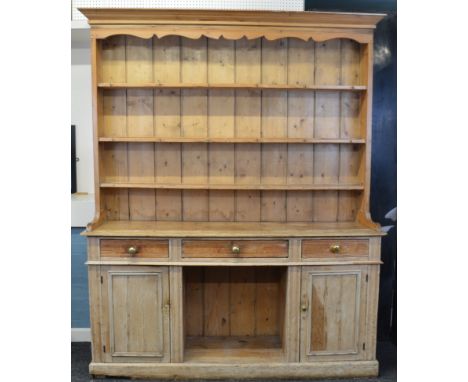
(333,312)
(135,314)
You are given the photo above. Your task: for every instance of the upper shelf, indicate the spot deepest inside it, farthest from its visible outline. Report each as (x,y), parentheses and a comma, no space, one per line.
(119,85)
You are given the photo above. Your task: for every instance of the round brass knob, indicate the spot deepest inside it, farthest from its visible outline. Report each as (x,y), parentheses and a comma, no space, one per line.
(335,248)
(304,307)
(132,250)
(235,249)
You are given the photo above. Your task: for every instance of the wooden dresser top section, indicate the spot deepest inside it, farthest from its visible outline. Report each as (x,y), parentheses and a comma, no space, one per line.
(231,24)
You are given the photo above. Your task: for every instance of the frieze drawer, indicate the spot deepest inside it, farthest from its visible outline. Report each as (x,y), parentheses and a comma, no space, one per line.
(134,248)
(234,248)
(330,248)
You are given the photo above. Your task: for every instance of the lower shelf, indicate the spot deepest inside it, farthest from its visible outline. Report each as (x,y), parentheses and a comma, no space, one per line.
(239,348)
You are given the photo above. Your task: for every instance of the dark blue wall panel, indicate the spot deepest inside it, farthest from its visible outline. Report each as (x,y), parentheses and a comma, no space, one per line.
(384,139)
(79,279)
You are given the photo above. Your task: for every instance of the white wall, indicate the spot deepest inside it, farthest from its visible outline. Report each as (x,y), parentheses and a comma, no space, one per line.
(81,114)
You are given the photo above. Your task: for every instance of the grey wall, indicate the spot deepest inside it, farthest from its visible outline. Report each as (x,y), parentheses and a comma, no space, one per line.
(79,281)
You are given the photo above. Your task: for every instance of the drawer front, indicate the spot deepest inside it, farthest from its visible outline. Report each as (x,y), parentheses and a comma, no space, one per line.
(320,248)
(134,248)
(234,248)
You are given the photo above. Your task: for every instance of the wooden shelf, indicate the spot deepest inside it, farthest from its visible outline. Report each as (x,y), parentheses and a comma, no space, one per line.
(261,187)
(122,85)
(234,140)
(212,349)
(229,229)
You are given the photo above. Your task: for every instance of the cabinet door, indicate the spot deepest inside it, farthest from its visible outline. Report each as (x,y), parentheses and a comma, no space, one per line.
(333,313)
(135,314)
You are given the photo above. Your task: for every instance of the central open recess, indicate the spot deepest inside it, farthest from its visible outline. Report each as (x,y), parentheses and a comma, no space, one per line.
(234,312)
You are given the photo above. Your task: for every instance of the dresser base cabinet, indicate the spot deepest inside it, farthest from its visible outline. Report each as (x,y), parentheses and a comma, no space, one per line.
(232,156)
(247,320)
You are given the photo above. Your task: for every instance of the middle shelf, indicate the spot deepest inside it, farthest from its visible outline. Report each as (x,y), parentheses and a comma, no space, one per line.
(276,187)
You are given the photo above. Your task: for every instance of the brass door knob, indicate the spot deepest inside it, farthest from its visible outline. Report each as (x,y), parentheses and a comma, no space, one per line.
(335,248)
(235,249)
(132,250)
(305,305)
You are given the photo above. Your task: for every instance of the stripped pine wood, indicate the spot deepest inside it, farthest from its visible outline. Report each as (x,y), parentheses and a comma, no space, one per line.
(351,156)
(357,141)
(301,71)
(142,203)
(221,68)
(229,229)
(176,304)
(242,301)
(145,248)
(248,207)
(169,170)
(113,59)
(194,122)
(193,303)
(194,102)
(334,323)
(115,203)
(166,67)
(135,320)
(327,110)
(229,86)
(248,104)
(274,123)
(234,301)
(114,165)
(114,119)
(216,302)
(223,248)
(273,207)
(234,153)
(267,301)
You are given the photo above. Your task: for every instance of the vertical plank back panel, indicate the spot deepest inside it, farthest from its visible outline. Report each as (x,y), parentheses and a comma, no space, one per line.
(267,300)
(113,59)
(194,301)
(139,53)
(221,69)
(351,156)
(327,117)
(114,157)
(274,125)
(234,301)
(248,106)
(194,123)
(242,293)
(216,303)
(166,68)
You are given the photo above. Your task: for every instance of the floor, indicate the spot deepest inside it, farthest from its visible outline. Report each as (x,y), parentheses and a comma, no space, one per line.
(81,356)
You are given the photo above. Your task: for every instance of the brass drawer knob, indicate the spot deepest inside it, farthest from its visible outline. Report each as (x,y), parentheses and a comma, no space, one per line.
(235,249)
(132,250)
(335,248)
